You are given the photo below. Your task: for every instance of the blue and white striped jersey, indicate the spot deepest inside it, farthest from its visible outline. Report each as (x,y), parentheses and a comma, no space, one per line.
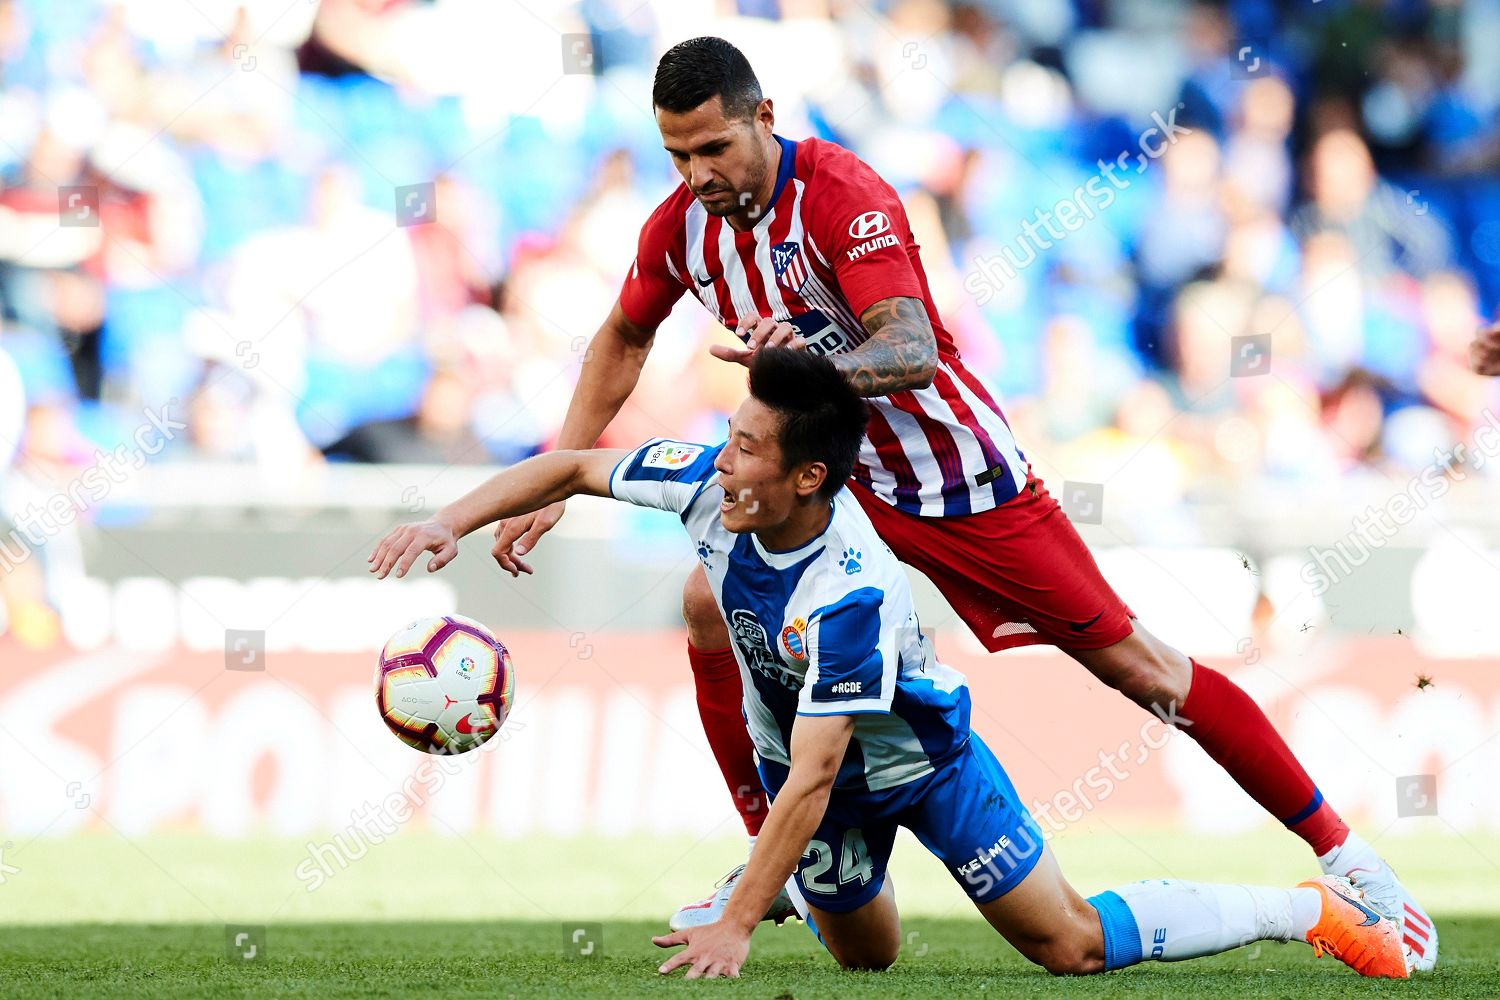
(824,629)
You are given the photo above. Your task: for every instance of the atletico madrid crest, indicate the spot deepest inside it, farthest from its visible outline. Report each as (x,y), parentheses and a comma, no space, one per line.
(791,270)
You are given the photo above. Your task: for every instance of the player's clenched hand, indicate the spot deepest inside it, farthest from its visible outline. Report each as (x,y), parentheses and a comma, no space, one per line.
(515,536)
(399,549)
(758,332)
(713,950)
(1484,352)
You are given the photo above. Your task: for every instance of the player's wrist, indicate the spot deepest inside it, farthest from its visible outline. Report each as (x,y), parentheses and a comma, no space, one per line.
(741,918)
(449,520)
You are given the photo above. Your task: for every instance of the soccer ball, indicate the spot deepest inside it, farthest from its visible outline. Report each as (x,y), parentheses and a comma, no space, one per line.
(444,685)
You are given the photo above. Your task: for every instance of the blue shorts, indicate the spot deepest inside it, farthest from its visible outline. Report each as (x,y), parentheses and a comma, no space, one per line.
(966,812)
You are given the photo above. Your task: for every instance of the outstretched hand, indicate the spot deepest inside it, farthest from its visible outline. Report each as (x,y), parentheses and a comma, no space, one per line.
(401,547)
(515,536)
(713,950)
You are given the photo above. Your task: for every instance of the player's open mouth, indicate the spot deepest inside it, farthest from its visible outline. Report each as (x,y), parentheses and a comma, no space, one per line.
(727,504)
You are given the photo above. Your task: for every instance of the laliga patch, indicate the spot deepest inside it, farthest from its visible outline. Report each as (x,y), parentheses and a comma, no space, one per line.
(792,642)
(671,455)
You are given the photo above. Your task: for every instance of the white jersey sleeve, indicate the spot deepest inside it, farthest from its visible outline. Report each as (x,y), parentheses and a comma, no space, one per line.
(665,474)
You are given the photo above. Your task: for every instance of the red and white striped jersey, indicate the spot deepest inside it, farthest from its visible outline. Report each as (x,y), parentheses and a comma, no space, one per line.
(834,241)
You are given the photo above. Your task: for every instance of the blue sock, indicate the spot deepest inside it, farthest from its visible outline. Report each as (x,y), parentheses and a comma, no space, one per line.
(808,920)
(1122,942)
(800,903)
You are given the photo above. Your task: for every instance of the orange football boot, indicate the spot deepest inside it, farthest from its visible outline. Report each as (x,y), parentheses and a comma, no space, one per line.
(1353,933)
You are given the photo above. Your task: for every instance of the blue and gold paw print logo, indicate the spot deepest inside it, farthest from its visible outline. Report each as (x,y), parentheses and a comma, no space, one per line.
(705,550)
(850,561)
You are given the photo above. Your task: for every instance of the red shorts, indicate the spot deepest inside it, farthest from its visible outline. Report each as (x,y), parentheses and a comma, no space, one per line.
(1017,574)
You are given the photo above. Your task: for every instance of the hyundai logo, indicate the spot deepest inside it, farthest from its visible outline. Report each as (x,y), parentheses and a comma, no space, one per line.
(869,224)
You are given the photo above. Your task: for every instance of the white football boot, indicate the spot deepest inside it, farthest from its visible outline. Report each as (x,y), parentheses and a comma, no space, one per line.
(707,911)
(1357,861)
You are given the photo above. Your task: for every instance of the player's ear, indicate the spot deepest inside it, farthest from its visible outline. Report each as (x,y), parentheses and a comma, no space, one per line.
(811,478)
(765,113)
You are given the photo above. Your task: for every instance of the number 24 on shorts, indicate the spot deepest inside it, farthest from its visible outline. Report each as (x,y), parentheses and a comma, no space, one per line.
(854,863)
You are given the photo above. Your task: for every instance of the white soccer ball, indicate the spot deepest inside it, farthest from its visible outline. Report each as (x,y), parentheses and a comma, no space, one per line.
(444,685)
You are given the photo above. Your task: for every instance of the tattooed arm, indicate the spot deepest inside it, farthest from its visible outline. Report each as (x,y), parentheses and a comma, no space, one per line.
(901,352)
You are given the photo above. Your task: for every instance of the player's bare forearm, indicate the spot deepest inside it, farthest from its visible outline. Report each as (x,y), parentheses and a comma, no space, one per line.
(901,352)
(530,485)
(520,489)
(790,824)
(794,816)
(611,368)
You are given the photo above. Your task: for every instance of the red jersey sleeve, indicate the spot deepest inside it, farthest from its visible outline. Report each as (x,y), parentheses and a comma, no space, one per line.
(860,226)
(650,289)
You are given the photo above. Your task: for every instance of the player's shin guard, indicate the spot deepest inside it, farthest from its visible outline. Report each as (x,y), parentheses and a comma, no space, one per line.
(1169,920)
(716,676)
(1232,729)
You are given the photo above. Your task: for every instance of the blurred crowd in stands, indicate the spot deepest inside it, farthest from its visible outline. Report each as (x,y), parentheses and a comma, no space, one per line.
(385,231)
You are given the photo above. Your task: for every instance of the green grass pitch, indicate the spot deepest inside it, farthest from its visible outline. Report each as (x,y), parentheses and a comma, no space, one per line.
(943,958)
(422,915)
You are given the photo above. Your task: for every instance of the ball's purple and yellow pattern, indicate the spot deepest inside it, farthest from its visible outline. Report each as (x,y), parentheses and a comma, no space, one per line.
(444,685)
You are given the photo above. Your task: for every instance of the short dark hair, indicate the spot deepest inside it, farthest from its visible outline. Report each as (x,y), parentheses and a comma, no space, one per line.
(822,417)
(700,68)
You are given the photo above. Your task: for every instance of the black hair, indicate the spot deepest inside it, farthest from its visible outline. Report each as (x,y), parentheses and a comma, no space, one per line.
(698,69)
(822,417)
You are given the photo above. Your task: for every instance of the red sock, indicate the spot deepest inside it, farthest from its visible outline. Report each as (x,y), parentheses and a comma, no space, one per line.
(1237,734)
(716,675)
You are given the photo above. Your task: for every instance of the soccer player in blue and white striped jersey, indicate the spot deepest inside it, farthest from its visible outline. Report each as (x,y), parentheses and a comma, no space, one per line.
(859,729)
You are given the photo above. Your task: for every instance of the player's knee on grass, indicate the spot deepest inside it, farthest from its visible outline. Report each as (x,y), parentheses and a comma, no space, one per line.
(705,625)
(868,938)
(867,957)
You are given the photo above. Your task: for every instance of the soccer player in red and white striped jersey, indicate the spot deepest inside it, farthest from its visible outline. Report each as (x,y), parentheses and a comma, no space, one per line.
(803,244)
(818,257)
